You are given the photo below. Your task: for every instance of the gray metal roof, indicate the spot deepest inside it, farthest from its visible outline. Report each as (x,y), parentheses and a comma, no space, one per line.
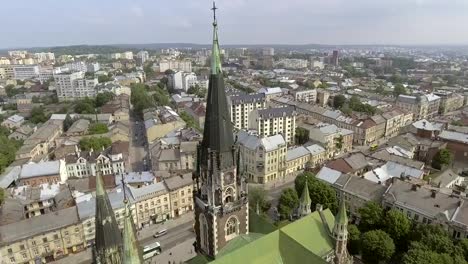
(454,136)
(297,152)
(10,175)
(247,98)
(177,182)
(143,192)
(277,112)
(360,187)
(315,149)
(87,207)
(40,169)
(38,225)
(252,142)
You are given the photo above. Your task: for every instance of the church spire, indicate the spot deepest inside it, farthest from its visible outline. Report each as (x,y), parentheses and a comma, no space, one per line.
(218,130)
(131,250)
(305,202)
(215,53)
(340,234)
(108,240)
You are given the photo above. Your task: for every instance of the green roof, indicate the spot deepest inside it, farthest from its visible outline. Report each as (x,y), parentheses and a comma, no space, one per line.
(238,242)
(305,239)
(260,224)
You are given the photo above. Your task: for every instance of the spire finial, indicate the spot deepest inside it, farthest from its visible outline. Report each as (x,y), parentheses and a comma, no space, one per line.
(123,188)
(214,13)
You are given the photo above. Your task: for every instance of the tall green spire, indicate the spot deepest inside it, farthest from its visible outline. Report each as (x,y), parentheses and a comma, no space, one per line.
(215,53)
(131,250)
(108,239)
(342,217)
(305,203)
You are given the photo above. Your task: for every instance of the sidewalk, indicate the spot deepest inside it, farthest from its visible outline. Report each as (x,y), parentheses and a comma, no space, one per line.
(178,254)
(279,183)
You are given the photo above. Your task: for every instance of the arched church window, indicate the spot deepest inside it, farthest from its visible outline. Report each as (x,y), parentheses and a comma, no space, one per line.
(231,226)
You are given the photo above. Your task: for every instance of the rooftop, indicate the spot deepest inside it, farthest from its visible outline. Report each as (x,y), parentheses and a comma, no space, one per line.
(296,152)
(40,169)
(276,112)
(176,182)
(454,136)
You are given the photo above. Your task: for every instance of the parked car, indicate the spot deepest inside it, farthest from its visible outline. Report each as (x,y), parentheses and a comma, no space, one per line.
(160,233)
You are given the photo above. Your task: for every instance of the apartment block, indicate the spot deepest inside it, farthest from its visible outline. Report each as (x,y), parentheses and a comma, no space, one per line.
(25,72)
(449,101)
(241,106)
(180,188)
(275,121)
(335,140)
(74,85)
(175,65)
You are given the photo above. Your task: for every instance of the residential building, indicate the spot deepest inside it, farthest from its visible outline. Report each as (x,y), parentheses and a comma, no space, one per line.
(44,57)
(13,122)
(35,174)
(180,189)
(268,51)
(25,72)
(175,65)
(422,106)
(334,58)
(6,71)
(41,141)
(152,203)
(137,179)
(306,96)
(142,57)
(18,53)
(449,101)
(93,67)
(271,92)
(197,111)
(78,128)
(391,170)
(274,121)
(241,106)
(76,66)
(335,140)
(297,159)
(394,120)
(457,143)
(74,85)
(161,121)
(128,55)
(88,163)
(23,132)
(293,63)
(322,97)
(264,158)
(45,238)
(119,107)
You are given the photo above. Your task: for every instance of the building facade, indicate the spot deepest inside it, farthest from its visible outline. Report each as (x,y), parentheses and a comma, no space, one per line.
(274,121)
(74,85)
(241,106)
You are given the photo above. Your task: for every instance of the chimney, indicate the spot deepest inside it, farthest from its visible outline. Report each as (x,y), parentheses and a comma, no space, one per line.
(414,187)
(433,193)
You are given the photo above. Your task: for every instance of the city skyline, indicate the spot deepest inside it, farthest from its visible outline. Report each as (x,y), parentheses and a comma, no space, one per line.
(338,22)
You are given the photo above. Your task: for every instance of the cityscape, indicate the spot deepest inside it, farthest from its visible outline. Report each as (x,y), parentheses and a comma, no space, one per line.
(180,152)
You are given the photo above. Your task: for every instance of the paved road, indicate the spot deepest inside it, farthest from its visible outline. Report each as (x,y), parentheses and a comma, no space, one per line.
(138,153)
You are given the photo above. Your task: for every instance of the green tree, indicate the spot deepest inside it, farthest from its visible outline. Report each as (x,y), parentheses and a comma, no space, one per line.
(38,115)
(169,72)
(103,98)
(377,246)
(354,240)
(399,89)
(339,143)
(339,101)
(258,197)
(442,158)
(380,89)
(189,120)
(95,143)
(302,136)
(67,122)
(371,216)
(140,98)
(2,195)
(104,78)
(398,226)
(287,203)
(85,106)
(97,128)
(320,192)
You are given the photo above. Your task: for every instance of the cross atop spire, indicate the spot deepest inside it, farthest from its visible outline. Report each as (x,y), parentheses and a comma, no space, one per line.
(214,13)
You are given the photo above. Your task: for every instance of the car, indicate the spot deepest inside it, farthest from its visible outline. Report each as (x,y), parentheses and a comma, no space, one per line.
(160,233)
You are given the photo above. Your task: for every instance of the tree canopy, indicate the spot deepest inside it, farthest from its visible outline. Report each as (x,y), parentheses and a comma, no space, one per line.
(371,216)
(103,98)
(140,98)
(399,89)
(258,196)
(339,101)
(320,192)
(85,106)
(377,246)
(287,203)
(38,115)
(302,136)
(442,158)
(97,128)
(95,143)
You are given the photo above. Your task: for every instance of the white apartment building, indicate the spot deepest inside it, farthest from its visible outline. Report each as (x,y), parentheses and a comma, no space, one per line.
(189,80)
(18,53)
(176,65)
(268,51)
(307,96)
(143,56)
(4,61)
(76,66)
(293,63)
(274,121)
(25,72)
(128,55)
(44,56)
(93,67)
(72,86)
(242,105)
(86,163)
(115,56)
(177,80)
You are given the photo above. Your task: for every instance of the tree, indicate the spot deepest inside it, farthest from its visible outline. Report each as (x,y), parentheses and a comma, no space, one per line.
(2,195)
(397,225)
(103,98)
(371,216)
(377,246)
(380,89)
(95,143)
(67,122)
(339,143)
(339,101)
(320,192)
(38,115)
(354,240)
(169,72)
(399,89)
(189,120)
(104,78)
(463,244)
(442,158)
(85,106)
(140,98)
(302,136)
(258,197)
(97,128)
(287,203)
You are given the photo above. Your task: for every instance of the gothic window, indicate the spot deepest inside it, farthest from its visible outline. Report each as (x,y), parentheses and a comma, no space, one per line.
(203,233)
(229,195)
(231,228)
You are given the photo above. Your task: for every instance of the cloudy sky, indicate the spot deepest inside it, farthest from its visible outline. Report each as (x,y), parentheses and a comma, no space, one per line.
(27,23)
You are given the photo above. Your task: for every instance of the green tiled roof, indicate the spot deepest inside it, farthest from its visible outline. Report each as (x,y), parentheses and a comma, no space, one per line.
(306,239)
(259,224)
(238,242)
(342,217)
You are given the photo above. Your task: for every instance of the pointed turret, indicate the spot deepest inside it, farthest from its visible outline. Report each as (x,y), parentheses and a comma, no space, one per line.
(340,234)
(131,250)
(305,202)
(108,240)
(218,130)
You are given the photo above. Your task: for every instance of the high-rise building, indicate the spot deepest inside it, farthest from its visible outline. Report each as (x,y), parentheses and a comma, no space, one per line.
(25,72)
(220,195)
(334,58)
(242,105)
(273,121)
(268,51)
(74,85)
(18,53)
(175,65)
(142,57)
(44,57)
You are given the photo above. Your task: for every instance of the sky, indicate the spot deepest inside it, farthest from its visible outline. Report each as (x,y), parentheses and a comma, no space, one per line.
(33,23)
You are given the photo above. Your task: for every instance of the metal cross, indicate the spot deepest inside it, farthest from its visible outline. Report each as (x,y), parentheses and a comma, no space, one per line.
(214,10)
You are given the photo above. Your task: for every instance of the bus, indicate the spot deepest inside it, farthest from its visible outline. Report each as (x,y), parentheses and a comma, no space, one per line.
(151,250)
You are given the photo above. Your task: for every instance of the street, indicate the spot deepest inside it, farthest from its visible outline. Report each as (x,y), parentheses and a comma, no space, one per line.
(138,154)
